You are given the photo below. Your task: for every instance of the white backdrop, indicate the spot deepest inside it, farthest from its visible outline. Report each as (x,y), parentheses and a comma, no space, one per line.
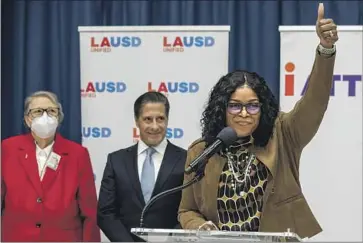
(331,165)
(120,63)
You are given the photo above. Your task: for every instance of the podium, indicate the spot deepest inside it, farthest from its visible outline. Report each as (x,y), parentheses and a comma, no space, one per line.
(179,235)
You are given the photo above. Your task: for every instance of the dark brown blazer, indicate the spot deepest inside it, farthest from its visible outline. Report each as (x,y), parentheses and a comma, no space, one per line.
(284,203)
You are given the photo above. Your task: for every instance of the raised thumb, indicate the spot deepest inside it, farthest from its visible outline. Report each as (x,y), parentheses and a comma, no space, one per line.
(320,11)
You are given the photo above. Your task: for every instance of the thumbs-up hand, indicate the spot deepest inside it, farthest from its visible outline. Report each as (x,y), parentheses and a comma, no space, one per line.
(326,29)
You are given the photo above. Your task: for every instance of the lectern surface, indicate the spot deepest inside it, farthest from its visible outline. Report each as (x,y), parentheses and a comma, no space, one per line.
(179,235)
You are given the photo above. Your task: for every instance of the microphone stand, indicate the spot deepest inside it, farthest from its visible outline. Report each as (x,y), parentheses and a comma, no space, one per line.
(199,175)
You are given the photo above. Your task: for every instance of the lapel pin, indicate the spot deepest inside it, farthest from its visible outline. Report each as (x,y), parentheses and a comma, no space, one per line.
(26,156)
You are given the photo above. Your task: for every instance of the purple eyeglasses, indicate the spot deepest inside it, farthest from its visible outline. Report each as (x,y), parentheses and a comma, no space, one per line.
(251,108)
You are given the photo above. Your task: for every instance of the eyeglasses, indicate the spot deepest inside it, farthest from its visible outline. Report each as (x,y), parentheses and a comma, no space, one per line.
(251,108)
(38,112)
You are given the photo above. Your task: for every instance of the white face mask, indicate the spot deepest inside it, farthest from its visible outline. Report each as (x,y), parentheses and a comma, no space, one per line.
(44,126)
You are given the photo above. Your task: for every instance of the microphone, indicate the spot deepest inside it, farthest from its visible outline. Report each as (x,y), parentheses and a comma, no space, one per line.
(224,138)
(196,178)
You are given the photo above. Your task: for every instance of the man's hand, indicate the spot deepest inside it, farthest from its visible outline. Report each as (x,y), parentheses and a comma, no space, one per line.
(326,29)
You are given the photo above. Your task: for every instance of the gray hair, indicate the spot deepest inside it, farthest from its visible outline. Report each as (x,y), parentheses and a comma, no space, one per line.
(51,96)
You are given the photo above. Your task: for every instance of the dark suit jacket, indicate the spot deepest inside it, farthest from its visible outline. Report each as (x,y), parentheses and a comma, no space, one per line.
(121,200)
(61,207)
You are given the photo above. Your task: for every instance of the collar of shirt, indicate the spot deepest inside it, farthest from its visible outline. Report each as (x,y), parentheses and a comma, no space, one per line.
(47,150)
(160,149)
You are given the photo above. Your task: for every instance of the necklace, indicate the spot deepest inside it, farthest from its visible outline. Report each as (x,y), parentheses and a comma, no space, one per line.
(239,164)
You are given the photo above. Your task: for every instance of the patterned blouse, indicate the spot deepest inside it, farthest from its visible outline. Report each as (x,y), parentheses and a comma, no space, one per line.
(240,194)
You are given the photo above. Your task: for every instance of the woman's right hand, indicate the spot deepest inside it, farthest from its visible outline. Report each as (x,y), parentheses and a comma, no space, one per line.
(209,225)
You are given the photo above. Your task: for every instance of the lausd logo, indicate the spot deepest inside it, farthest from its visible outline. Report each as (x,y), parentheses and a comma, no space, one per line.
(94,87)
(171,133)
(179,43)
(96,132)
(173,87)
(351,79)
(105,44)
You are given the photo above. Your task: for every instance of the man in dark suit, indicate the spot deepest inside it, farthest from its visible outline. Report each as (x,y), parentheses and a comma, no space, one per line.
(134,175)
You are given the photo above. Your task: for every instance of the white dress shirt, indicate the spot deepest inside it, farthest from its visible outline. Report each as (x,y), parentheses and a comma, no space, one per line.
(42,157)
(157,156)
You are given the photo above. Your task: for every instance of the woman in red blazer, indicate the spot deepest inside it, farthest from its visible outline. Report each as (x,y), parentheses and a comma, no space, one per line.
(47,185)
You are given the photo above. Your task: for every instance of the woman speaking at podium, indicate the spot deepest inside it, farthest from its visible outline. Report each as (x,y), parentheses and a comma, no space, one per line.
(253,185)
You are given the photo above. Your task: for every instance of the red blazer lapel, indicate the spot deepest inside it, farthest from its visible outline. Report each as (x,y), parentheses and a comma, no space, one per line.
(28,160)
(60,148)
